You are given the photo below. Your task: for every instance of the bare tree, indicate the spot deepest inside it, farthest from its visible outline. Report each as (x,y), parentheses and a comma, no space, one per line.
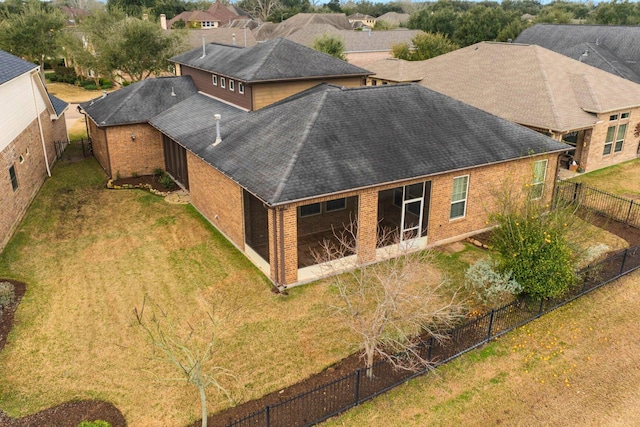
(390,305)
(181,349)
(261,9)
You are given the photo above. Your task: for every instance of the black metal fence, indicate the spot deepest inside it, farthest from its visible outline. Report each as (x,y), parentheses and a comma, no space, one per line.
(609,205)
(330,399)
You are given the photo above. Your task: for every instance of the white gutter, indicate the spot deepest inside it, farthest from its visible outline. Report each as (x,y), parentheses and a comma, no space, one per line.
(35,105)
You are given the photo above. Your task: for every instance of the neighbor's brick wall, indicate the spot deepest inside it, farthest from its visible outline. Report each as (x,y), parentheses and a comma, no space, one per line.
(267,93)
(60,129)
(139,157)
(31,174)
(594,159)
(99,143)
(217,197)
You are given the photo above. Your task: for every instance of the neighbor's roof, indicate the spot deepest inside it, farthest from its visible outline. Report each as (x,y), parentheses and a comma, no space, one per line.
(140,101)
(329,139)
(277,59)
(219,35)
(216,12)
(612,48)
(397,70)
(394,18)
(11,66)
(530,85)
(300,21)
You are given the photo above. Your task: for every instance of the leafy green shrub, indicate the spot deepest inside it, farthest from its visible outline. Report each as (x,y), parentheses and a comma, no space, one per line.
(125,83)
(96,423)
(166,181)
(491,287)
(91,86)
(7,295)
(49,76)
(157,172)
(107,86)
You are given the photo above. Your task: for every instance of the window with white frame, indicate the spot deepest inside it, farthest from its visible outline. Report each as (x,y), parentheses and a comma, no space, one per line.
(459,197)
(309,210)
(614,141)
(214,80)
(539,175)
(335,205)
(232,85)
(223,82)
(241,88)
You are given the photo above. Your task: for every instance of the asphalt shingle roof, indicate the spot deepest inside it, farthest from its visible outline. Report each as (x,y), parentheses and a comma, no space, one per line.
(11,66)
(277,59)
(529,84)
(612,48)
(140,102)
(58,105)
(330,139)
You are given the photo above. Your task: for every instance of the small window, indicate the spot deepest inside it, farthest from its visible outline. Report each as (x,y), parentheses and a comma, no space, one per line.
(613,117)
(374,83)
(21,159)
(214,80)
(309,210)
(539,175)
(336,205)
(624,116)
(223,82)
(459,197)
(26,151)
(232,85)
(14,177)
(240,88)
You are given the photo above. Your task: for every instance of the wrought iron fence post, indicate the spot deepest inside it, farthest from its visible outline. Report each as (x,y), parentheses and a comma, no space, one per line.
(357,386)
(629,212)
(624,259)
(541,304)
(82,143)
(430,348)
(490,325)
(268,414)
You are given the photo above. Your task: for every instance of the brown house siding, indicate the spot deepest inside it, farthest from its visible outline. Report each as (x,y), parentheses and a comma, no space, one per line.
(217,198)
(99,143)
(268,93)
(129,157)
(203,82)
(31,174)
(594,158)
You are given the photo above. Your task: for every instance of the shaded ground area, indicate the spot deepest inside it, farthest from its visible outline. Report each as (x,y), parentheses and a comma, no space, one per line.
(71,413)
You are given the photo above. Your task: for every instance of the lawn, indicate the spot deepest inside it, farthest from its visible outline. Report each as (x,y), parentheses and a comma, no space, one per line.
(71,93)
(622,179)
(578,365)
(89,255)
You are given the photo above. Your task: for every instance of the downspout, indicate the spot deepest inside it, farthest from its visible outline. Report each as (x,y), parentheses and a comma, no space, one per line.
(275,248)
(35,105)
(282,269)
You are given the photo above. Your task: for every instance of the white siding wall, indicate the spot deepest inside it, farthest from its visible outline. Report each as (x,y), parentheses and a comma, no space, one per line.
(17,108)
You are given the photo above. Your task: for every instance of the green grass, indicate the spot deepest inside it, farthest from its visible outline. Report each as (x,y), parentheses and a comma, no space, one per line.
(622,179)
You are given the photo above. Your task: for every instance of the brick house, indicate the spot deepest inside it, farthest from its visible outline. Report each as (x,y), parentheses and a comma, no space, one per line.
(31,121)
(278,179)
(593,111)
(216,16)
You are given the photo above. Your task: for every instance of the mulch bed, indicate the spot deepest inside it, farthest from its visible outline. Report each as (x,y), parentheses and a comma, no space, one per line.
(143,181)
(71,413)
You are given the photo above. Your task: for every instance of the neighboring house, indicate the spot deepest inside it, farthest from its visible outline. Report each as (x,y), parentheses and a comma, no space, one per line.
(394,18)
(229,36)
(31,121)
(74,14)
(216,16)
(394,71)
(612,48)
(360,20)
(594,111)
(279,179)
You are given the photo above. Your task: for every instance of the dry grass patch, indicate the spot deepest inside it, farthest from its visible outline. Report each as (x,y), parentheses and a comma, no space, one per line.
(71,93)
(89,255)
(577,365)
(622,179)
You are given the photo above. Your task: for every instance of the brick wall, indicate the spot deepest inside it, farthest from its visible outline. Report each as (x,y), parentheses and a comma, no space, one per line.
(99,142)
(25,153)
(593,157)
(129,157)
(217,197)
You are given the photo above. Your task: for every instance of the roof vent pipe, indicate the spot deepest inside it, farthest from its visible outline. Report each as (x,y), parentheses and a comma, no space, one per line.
(204,52)
(218,140)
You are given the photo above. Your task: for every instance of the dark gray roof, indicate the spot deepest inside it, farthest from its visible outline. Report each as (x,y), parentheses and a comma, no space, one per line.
(330,139)
(11,66)
(615,49)
(58,105)
(140,101)
(277,59)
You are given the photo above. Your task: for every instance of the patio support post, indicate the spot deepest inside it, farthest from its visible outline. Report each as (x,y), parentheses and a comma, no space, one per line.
(367,226)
